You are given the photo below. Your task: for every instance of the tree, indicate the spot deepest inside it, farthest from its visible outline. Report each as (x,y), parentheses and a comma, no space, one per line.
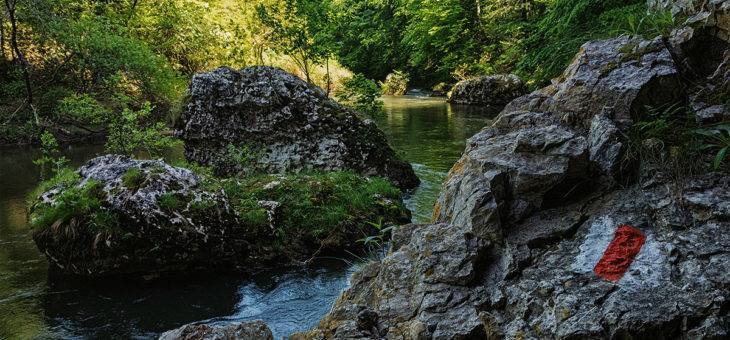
(300,29)
(11,7)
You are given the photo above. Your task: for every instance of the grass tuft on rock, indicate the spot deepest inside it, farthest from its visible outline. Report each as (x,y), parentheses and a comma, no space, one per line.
(73,204)
(314,203)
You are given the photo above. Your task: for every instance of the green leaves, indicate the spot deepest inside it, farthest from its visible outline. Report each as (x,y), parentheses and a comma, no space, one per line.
(716,139)
(362,95)
(129,133)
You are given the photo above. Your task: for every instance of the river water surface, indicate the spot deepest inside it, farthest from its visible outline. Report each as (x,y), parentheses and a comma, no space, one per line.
(427,132)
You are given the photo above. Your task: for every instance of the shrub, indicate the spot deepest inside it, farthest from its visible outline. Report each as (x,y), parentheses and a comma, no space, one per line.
(130,133)
(82,109)
(133,179)
(362,95)
(395,83)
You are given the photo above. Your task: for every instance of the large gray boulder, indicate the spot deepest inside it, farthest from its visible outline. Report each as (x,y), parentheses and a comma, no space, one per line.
(253,330)
(281,124)
(532,238)
(493,91)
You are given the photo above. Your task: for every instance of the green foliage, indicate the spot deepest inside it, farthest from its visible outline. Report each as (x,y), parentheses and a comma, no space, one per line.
(369,34)
(716,139)
(130,133)
(395,83)
(567,24)
(74,205)
(241,156)
(314,203)
(377,240)
(362,95)
(670,139)
(82,108)
(300,29)
(50,154)
(169,201)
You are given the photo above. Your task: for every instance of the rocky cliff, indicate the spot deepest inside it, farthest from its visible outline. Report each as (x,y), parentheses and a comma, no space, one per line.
(279,123)
(550,225)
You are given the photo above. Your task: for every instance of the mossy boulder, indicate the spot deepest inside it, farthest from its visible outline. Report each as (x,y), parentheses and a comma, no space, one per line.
(116,215)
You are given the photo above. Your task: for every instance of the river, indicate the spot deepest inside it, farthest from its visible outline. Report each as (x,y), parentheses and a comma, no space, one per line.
(427,132)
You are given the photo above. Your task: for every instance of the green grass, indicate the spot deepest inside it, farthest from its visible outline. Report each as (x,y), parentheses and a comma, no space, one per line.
(314,203)
(169,202)
(81,205)
(133,179)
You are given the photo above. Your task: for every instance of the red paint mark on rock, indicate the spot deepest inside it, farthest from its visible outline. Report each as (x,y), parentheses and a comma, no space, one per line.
(626,244)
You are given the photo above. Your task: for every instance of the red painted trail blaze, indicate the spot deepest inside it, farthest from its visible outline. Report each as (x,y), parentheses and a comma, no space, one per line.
(619,254)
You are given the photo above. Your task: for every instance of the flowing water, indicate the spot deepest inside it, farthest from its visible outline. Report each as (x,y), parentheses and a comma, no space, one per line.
(425,131)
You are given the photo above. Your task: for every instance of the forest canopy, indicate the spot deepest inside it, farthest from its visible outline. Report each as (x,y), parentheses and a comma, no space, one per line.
(66,65)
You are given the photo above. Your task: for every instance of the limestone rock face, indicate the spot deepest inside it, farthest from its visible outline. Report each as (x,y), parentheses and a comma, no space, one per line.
(495,90)
(265,119)
(620,76)
(532,208)
(538,280)
(254,330)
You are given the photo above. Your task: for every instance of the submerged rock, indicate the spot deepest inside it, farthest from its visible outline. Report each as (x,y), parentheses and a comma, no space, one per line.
(118,216)
(495,90)
(253,330)
(262,118)
(532,238)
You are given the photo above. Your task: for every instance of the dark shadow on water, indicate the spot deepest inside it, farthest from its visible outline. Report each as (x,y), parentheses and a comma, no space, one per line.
(138,308)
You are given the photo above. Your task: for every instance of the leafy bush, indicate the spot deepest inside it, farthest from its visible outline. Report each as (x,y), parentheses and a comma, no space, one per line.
(82,108)
(395,83)
(130,133)
(50,154)
(362,95)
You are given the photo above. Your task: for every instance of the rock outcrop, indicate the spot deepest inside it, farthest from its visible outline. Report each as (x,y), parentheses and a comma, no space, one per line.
(532,238)
(493,91)
(126,216)
(279,123)
(254,330)
(620,76)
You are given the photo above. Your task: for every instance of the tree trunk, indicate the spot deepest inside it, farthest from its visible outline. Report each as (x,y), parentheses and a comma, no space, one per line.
(306,68)
(10,5)
(2,35)
(329,81)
